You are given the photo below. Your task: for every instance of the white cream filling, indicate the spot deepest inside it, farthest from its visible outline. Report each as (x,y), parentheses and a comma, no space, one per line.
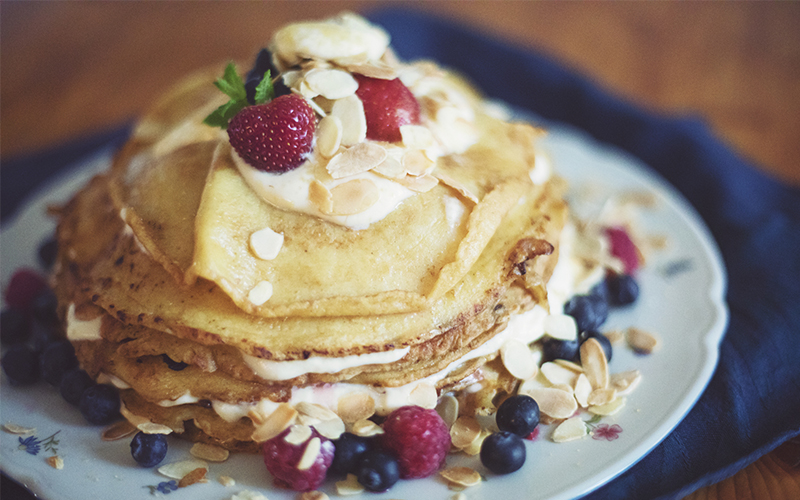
(82,330)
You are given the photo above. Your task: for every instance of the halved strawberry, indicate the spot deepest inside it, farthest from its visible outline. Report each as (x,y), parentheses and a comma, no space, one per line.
(276,136)
(388,104)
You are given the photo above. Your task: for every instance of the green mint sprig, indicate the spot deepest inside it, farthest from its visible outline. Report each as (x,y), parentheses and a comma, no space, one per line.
(231,84)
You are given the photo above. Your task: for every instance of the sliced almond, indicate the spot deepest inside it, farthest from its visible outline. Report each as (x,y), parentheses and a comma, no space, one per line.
(518,359)
(178,470)
(391,167)
(248,495)
(447,408)
(569,365)
(314,410)
(355,406)
(18,429)
(298,434)
(569,430)
(329,135)
(350,110)
(595,364)
(331,83)
(642,341)
(154,428)
(313,495)
(423,395)
(462,476)
(475,447)
(601,396)
(373,69)
(464,431)
(193,477)
(320,196)
(614,336)
(353,197)
(310,454)
(582,389)
(416,163)
(458,186)
(332,428)
(349,486)
(275,423)
(118,430)
(366,428)
(421,184)
(266,243)
(357,159)
(625,382)
(260,293)
(226,481)
(55,462)
(554,402)
(608,408)
(557,374)
(416,136)
(561,326)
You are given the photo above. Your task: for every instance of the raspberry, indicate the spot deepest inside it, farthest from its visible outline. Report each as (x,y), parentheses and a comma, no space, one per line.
(623,248)
(25,285)
(276,136)
(388,104)
(419,438)
(283,457)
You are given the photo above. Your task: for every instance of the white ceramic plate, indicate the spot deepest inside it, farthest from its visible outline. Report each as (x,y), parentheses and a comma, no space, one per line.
(682,301)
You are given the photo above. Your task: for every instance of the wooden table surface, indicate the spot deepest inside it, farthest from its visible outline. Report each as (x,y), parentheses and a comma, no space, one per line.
(69,69)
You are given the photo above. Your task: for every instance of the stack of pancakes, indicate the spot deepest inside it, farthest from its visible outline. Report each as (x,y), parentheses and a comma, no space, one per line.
(156,266)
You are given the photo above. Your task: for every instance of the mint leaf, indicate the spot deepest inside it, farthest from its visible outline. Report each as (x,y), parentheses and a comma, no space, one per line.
(265,91)
(223,114)
(231,84)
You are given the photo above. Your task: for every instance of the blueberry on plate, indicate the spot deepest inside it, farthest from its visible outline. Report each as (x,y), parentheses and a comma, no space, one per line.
(553,348)
(518,414)
(44,309)
(604,342)
(57,359)
(148,449)
(100,404)
(73,383)
(378,470)
(503,452)
(262,64)
(14,326)
(349,450)
(622,289)
(589,311)
(21,364)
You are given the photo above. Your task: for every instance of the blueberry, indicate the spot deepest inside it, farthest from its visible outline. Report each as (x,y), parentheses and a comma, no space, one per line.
(148,449)
(553,348)
(256,74)
(349,450)
(57,359)
(604,342)
(518,414)
(73,383)
(622,290)
(14,326)
(100,404)
(44,309)
(21,364)
(600,290)
(503,452)
(589,311)
(172,364)
(378,470)
(43,335)
(48,251)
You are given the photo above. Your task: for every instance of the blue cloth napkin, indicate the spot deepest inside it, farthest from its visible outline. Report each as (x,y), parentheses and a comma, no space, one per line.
(752,404)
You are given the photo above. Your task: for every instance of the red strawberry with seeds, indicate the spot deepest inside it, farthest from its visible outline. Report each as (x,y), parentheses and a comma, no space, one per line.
(276,136)
(388,104)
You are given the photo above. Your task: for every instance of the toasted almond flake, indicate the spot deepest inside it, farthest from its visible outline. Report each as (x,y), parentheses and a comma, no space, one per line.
(350,110)
(226,481)
(569,365)
(349,486)
(416,136)
(462,476)
(248,495)
(475,447)
(421,184)
(331,429)
(12,428)
(329,135)
(315,410)
(366,428)
(331,83)
(353,197)
(582,390)
(554,402)
(423,395)
(464,431)
(458,186)
(608,408)
(178,470)
(557,374)
(209,452)
(283,416)
(601,396)
(416,163)
(564,387)
(518,359)
(641,341)
(256,417)
(391,167)
(313,495)
(193,477)
(260,293)
(154,428)
(447,408)
(625,382)
(298,434)
(118,430)
(55,462)
(373,69)
(305,90)
(569,430)
(320,196)
(357,159)
(561,326)
(266,243)
(355,406)
(614,336)
(595,364)
(537,382)
(306,420)
(459,496)
(310,454)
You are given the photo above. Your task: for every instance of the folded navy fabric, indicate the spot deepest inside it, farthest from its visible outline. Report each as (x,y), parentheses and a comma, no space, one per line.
(752,404)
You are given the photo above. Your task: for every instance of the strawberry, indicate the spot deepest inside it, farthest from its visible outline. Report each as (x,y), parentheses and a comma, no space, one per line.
(388,104)
(276,136)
